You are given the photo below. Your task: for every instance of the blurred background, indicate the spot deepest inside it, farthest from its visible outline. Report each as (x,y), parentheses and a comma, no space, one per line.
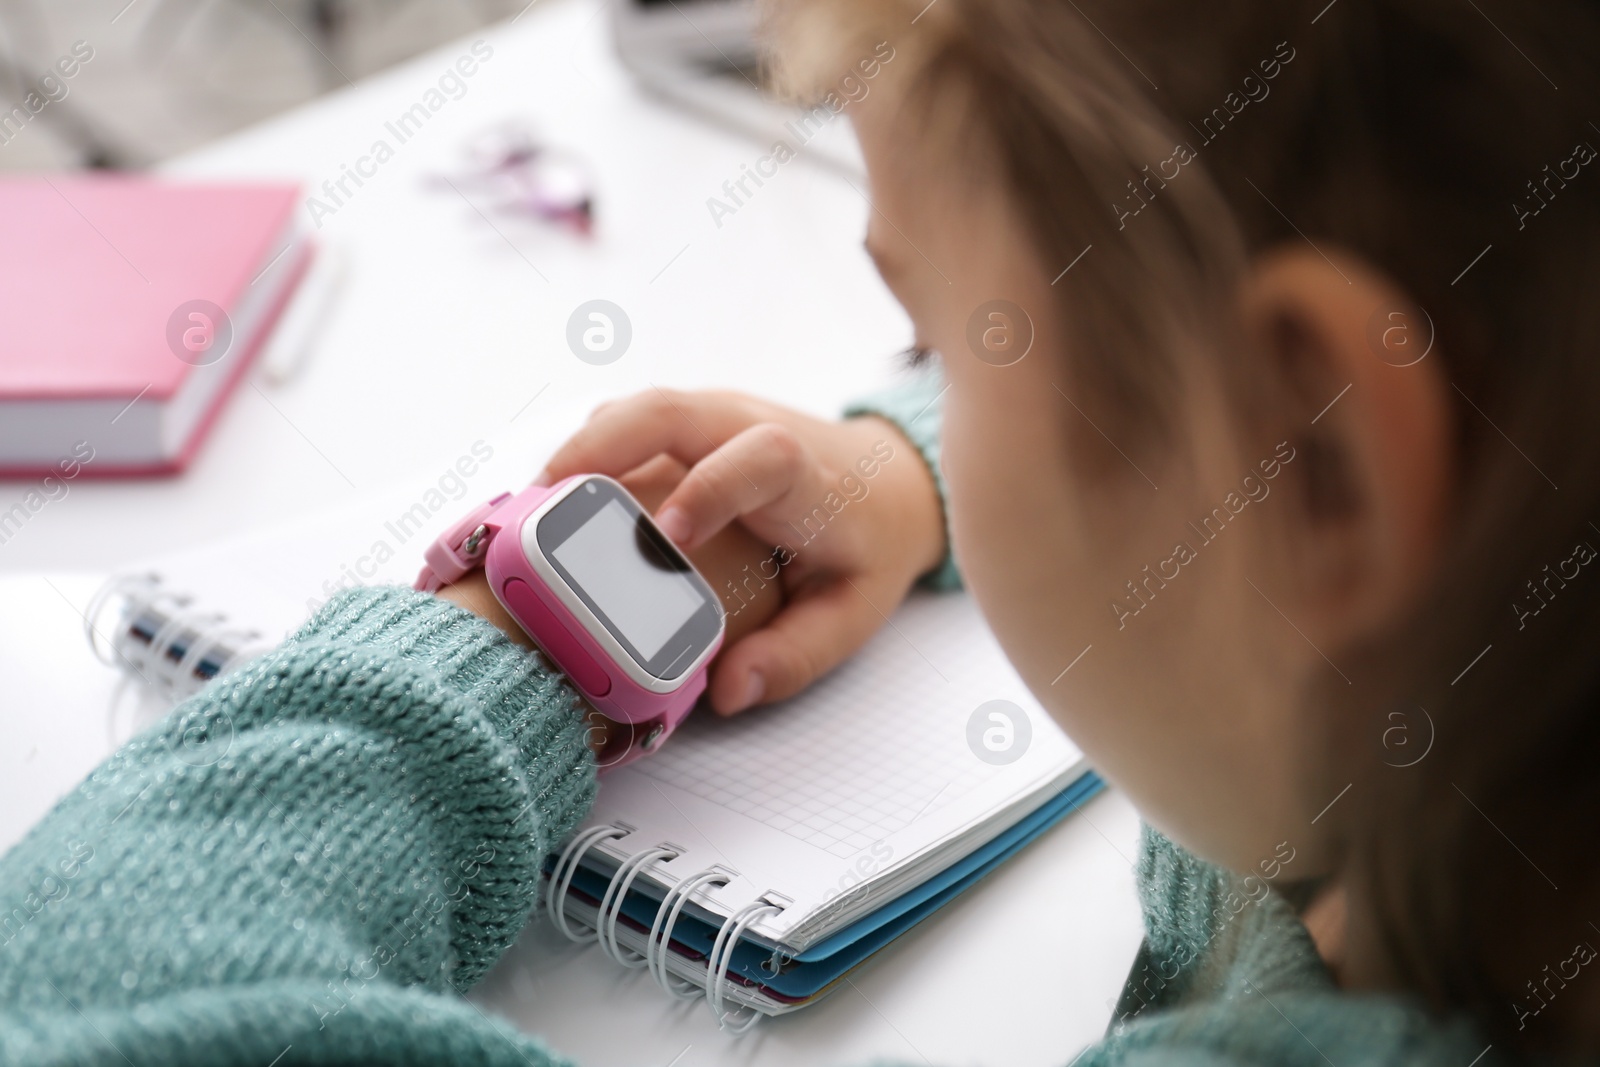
(168,75)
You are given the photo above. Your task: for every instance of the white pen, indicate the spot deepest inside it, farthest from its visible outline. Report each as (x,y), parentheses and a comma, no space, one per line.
(292,337)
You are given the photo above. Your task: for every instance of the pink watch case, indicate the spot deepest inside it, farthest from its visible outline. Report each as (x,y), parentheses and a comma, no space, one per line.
(502,537)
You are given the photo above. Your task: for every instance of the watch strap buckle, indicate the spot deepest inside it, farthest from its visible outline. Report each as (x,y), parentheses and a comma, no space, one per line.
(460,549)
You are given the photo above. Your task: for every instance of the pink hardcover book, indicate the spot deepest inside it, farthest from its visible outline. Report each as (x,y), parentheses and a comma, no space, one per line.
(129,308)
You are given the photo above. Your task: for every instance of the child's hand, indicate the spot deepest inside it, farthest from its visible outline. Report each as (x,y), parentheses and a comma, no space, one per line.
(855,541)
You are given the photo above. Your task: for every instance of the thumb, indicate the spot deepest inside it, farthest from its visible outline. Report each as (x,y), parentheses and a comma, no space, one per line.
(814,633)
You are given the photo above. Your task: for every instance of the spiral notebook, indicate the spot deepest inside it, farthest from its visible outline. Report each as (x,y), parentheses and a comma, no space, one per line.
(753,861)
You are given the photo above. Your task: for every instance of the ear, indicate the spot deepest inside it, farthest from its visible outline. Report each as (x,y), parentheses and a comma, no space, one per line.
(1354,382)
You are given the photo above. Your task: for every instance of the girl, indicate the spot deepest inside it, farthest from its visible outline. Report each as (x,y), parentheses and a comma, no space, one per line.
(1265,357)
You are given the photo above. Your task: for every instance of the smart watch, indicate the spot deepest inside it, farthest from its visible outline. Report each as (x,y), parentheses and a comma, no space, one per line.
(601,590)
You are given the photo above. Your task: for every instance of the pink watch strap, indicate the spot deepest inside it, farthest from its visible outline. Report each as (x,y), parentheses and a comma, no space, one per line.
(455,553)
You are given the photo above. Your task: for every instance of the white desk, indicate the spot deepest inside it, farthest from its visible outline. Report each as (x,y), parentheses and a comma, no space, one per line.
(448,326)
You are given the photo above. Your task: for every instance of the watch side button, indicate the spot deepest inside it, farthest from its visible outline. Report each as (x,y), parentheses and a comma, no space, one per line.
(553,637)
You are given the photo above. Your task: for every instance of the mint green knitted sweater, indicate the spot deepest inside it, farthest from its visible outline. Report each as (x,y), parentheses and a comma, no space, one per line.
(309,862)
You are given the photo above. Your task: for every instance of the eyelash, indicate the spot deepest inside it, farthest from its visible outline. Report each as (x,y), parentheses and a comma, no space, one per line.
(917,356)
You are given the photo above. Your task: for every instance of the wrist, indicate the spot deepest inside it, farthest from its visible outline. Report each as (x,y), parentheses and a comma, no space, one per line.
(472,592)
(475,559)
(914,494)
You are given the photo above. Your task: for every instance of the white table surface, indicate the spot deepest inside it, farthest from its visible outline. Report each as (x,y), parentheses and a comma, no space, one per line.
(448,325)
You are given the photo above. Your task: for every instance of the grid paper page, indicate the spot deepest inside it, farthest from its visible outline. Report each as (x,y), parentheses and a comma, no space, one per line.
(867,750)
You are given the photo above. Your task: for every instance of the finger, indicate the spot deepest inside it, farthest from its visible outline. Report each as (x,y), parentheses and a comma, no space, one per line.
(653,480)
(808,638)
(624,433)
(761,468)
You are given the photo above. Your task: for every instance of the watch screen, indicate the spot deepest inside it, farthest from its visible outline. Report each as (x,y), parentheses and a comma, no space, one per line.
(638,585)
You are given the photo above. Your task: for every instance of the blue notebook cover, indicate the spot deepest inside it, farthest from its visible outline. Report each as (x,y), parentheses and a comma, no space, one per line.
(807,974)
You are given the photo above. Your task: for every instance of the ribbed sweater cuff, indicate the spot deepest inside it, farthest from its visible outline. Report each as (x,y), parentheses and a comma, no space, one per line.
(916,408)
(529,704)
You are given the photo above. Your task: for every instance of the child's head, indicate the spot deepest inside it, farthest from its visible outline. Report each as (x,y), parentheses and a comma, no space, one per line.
(1271,336)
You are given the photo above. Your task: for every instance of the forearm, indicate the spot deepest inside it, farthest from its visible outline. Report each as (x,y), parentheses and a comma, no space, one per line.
(376,796)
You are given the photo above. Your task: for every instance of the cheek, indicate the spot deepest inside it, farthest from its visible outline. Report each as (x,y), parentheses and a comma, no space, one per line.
(1044,547)
(1015,525)
(973,457)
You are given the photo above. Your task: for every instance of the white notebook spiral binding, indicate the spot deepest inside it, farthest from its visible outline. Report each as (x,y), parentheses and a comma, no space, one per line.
(714,984)
(163,637)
